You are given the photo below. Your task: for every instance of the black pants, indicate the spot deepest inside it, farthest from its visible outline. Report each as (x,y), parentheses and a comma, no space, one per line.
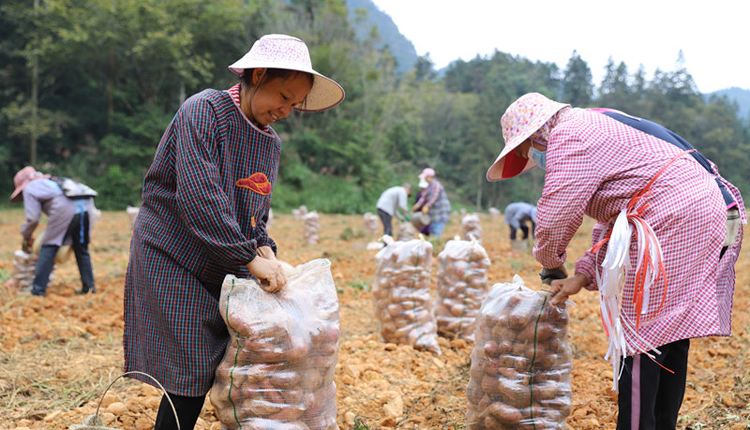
(524,229)
(386,218)
(188,411)
(78,230)
(653,395)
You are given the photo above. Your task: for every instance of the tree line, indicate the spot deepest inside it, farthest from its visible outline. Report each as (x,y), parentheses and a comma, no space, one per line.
(90,86)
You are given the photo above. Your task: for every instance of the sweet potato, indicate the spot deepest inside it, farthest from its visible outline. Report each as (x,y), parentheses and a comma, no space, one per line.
(504,413)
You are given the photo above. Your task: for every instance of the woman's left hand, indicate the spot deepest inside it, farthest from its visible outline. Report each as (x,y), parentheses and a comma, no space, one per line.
(269,272)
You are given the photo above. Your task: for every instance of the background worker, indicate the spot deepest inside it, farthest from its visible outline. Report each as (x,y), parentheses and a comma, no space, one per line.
(434,202)
(393,202)
(423,229)
(518,215)
(68,223)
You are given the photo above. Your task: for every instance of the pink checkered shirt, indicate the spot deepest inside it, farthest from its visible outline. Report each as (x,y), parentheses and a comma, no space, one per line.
(594,166)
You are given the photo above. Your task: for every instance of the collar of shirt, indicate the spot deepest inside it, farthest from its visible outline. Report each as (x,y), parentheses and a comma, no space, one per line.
(234,93)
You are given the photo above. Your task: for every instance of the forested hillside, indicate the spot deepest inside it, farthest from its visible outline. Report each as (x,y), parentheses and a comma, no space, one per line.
(739,96)
(89,87)
(367,19)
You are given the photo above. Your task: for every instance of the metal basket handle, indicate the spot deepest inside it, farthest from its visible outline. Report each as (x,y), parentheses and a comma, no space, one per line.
(95,418)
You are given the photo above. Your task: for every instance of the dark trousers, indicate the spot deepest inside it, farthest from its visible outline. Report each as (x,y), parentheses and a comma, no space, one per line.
(651,396)
(524,229)
(79,231)
(188,410)
(386,218)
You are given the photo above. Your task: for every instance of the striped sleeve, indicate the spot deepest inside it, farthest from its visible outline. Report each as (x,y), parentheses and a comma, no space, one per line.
(205,207)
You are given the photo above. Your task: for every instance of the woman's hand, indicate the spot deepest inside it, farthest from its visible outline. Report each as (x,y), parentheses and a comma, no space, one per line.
(561,289)
(269,272)
(266,252)
(425,209)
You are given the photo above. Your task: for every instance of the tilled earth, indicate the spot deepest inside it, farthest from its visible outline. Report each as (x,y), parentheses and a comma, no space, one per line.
(58,354)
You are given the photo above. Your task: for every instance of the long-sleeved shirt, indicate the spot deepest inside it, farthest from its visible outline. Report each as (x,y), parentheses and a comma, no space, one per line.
(45,196)
(393,200)
(594,166)
(436,199)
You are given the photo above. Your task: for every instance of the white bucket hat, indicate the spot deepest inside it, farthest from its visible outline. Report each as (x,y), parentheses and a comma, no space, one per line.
(279,51)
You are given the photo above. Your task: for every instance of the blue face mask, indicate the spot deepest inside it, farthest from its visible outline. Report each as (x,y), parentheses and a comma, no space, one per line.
(539,157)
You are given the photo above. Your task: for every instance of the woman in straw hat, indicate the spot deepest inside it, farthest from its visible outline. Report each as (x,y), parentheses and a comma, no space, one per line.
(433,202)
(206,200)
(68,223)
(667,237)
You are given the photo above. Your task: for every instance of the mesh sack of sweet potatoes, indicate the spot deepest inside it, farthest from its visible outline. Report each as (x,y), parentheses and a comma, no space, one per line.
(401,295)
(472,227)
(278,369)
(461,287)
(521,362)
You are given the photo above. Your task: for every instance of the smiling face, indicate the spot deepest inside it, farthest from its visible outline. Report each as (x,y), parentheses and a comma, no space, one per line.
(273,98)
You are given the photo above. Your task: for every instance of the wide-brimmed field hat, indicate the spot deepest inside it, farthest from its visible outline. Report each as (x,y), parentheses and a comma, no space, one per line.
(427,173)
(522,119)
(22,178)
(279,51)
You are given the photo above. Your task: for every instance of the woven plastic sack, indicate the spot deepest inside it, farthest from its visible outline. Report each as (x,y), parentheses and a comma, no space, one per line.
(521,362)
(461,287)
(401,295)
(277,372)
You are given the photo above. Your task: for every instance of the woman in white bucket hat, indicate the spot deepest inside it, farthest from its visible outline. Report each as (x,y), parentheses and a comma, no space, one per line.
(206,200)
(664,246)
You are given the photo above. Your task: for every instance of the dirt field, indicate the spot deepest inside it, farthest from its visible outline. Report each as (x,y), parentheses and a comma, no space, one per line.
(59,353)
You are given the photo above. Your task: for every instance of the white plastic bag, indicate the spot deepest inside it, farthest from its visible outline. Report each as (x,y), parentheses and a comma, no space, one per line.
(461,287)
(401,295)
(277,372)
(521,362)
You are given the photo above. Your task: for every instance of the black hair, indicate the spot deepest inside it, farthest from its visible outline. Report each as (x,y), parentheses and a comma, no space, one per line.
(271,74)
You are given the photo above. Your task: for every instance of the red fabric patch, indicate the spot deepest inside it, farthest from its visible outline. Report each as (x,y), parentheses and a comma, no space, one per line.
(257,182)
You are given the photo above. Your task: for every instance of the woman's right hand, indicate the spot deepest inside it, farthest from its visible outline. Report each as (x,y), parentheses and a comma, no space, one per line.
(561,289)
(269,272)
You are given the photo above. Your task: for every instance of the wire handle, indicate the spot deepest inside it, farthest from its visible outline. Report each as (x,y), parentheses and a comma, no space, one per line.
(134,372)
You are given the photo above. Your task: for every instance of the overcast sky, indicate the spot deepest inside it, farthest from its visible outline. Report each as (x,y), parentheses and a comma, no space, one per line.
(713,35)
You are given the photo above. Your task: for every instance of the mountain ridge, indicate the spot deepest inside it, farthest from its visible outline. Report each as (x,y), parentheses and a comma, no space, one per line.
(406,55)
(390,36)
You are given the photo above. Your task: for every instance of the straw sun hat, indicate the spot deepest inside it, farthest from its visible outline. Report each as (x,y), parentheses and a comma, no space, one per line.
(22,178)
(522,119)
(279,51)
